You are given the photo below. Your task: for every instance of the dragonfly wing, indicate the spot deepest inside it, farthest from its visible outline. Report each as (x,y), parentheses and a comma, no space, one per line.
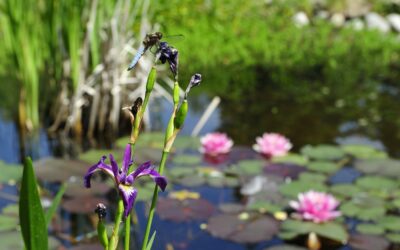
(138,55)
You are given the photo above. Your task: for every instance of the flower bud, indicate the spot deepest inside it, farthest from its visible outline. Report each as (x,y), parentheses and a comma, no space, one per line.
(194,81)
(176,93)
(181,115)
(151,79)
(101,229)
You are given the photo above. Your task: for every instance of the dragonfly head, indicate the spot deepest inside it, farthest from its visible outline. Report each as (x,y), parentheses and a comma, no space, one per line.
(159,35)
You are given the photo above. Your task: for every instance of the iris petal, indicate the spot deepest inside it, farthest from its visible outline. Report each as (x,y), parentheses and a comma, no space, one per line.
(126,162)
(128,194)
(98,166)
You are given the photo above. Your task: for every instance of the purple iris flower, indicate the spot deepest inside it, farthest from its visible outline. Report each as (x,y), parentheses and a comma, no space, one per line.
(123,180)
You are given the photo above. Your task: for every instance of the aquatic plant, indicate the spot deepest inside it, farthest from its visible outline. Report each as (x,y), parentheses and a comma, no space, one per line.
(272,144)
(316,206)
(215,144)
(124,180)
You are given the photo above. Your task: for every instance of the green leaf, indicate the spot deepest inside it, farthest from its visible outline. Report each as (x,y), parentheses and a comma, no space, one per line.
(54,205)
(393,237)
(390,222)
(10,173)
(370,229)
(291,158)
(380,167)
(346,190)
(323,166)
(312,177)
(323,152)
(248,167)
(33,223)
(292,189)
(8,222)
(376,183)
(150,244)
(364,152)
(187,159)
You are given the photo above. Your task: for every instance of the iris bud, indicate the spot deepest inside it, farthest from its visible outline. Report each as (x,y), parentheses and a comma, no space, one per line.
(181,115)
(151,79)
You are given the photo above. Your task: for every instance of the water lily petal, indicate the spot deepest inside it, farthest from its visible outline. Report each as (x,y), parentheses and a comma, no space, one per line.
(128,194)
(98,166)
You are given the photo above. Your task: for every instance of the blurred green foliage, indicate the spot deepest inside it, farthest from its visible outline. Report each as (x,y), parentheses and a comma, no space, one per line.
(245,44)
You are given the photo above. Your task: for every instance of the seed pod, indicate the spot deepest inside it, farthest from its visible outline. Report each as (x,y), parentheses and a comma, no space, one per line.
(181,115)
(151,79)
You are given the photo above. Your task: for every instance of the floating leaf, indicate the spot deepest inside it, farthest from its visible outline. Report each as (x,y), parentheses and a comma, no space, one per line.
(323,152)
(368,242)
(177,172)
(381,167)
(76,189)
(291,158)
(362,210)
(186,142)
(12,240)
(191,180)
(184,210)
(363,151)
(323,166)
(8,223)
(284,170)
(264,206)
(249,167)
(371,229)
(285,247)
(345,190)
(186,159)
(376,183)
(393,237)
(390,222)
(312,177)
(59,170)
(10,173)
(292,189)
(94,155)
(331,230)
(255,228)
(33,226)
(231,208)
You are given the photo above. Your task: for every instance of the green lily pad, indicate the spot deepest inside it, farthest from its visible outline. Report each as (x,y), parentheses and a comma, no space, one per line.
(381,167)
(148,139)
(291,158)
(292,189)
(186,159)
(94,155)
(345,190)
(285,247)
(12,240)
(264,206)
(312,177)
(371,229)
(323,152)
(364,151)
(10,173)
(186,142)
(390,222)
(8,223)
(393,237)
(248,167)
(243,228)
(362,211)
(191,180)
(11,210)
(330,230)
(323,166)
(177,172)
(376,183)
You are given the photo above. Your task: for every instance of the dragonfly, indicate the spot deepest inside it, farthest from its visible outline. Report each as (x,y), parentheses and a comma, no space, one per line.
(150,40)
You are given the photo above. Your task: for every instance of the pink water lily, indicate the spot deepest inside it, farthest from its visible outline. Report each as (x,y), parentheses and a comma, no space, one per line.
(215,144)
(272,144)
(316,206)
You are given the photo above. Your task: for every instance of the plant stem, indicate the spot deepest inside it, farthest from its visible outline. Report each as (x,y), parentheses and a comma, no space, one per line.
(118,218)
(154,202)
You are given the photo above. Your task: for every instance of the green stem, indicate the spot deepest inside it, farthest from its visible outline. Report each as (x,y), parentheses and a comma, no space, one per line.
(118,218)
(154,202)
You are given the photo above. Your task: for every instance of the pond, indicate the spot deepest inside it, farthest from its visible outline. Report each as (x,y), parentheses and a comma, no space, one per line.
(214,205)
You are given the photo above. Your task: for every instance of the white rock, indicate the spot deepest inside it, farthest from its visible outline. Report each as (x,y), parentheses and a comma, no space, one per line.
(301,19)
(375,21)
(254,186)
(338,19)
(356,24)
(394,20)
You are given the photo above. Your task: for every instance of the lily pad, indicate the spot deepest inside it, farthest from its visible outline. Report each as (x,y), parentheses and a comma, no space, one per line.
(10,173)
(323,152)
(312,177)
(148,139)
(362,210)
(248,167)
(292,189)
(323,166)
(59,170)
(186,142)
(371,229)
(382,167)
(184,210)
(393,237)
(187,159)
(390,222)
(364,151)
(284,170)
(264,206)
(376,183)
(243,228)
(330,230)
(94,155)
(75,189)
(368,242)
(285,247)
(8,223)
(291,158)
(345,190)
(12,240)
(83,204)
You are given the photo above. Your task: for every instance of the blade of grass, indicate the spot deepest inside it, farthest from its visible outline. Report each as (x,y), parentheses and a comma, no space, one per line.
(150,243)
(54,205)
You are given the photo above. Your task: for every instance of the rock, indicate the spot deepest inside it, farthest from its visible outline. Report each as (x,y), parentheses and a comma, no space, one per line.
(356,24)
(375,21)
(357,8)
(338,19)
(300,19)
(394,20)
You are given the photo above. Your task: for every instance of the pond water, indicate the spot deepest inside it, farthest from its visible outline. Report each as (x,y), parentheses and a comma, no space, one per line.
(303,121)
